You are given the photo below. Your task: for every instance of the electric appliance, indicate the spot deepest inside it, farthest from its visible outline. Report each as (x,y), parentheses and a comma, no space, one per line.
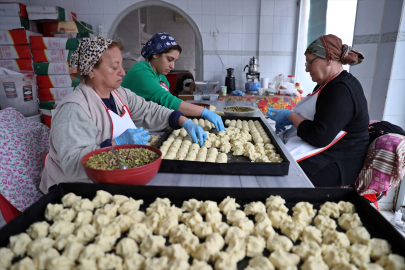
(252,84)
(230,80)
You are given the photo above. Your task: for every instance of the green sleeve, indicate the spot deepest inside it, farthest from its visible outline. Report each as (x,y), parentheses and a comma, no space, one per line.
(144,82)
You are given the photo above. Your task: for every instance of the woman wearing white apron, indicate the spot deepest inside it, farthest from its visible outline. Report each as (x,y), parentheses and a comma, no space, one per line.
(101,113)
(328,135)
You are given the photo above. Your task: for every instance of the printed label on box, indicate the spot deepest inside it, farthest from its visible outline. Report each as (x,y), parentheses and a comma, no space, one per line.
(58,68)
(27,91)
(57,55)
(60,81)
(10,90)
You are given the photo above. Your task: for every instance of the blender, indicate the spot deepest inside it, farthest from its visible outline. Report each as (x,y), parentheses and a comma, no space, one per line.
(230,80)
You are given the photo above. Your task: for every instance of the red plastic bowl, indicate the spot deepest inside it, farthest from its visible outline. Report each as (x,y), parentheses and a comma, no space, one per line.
(135,176)
(202,105)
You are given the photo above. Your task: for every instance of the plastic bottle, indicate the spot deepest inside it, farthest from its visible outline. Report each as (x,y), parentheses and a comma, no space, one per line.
(291,79)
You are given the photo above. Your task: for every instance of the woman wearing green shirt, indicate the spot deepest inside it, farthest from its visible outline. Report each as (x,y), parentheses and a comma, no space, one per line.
(147,78)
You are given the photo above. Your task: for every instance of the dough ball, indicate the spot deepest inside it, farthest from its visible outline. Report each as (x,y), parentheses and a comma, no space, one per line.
(175,252)
(66,214)
(324,223)
(346,207)
(6,256)
(264,229)
(62,240)
(237,248)
(255,246)
(220,227)
(379,248)
(83,217)
(262,217)
(192,218)
(305,207)
(358,235)
(228,204)
(138,231)
(291,229)
(83,204)
(189,242)
(25,263)
(166,224)
(359,254)
(202,229)
(225,261)
(311,234)
(198,265)
(38,245)
(254,208)
(126,247)
(52,210)
(302,218)
(234,232)
(69,199)
(235,215)
(156,263)
(61,227)
(330,209)
(105,242)
(213,217)
(223,158)
(152,221)
(282,259)
(348,221)
(41,259)
(85,233)
(178,264)
(38,229)
(100,220)
(91,252)
(260,263)
(119,199)
(176,232)
(306,249)
(59,263)
(277,207)
(152,245)
(209,207)
(211,159)
(314,263)
(370,266)
(124,222)
(279,242)
(392,261)
(73,250)
(109,261)
(112,229)
(102,197)
(334,237)
(136,261)
(136,215)
(129,205)
(334,255)
(245,224)
(278,217)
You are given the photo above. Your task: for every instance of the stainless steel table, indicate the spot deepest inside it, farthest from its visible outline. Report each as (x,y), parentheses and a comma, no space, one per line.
(295,178)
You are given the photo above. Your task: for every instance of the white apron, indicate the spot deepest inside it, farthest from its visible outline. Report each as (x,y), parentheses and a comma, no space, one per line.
(120,123)
(299,148)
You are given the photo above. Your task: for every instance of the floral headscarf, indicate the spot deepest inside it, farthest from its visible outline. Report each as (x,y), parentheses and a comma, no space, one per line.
(157,44)
(331,48)
(88,53)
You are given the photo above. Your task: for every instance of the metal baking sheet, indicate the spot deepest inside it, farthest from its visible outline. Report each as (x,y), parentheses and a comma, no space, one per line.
(375,223)
(237,165)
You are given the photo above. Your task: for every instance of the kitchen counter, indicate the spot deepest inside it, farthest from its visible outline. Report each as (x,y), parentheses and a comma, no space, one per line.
(295,178)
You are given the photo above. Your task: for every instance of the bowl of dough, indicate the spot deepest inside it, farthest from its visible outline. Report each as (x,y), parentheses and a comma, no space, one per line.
(244,111)
(142,161)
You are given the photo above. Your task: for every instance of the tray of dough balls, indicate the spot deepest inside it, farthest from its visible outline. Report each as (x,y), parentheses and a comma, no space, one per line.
(99,226)
(247,147)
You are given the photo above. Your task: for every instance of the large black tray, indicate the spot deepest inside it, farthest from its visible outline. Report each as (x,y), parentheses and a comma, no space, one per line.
(375,223)
(235,166)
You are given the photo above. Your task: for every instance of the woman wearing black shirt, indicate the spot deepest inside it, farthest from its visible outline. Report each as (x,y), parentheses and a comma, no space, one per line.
(329,136)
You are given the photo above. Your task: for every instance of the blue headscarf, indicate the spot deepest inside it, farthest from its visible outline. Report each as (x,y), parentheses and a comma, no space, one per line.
(157,44)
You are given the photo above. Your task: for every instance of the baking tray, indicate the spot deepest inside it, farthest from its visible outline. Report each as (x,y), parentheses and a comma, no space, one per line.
(237,165)
(375,223)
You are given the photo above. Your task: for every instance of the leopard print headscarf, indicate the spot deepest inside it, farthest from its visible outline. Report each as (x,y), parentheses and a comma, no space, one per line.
(88,53)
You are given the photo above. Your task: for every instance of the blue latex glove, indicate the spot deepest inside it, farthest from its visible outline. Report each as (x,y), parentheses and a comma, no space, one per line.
(133,136)
(214,118)
(237,93)
(196,132)
(280,116)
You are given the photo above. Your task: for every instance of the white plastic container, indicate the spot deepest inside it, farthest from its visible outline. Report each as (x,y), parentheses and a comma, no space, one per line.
(197,97)
(19,90)
(214,96)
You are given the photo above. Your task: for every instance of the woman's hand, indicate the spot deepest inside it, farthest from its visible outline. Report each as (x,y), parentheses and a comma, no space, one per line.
(214,118)
(133,136)
(280,116)
(195,131)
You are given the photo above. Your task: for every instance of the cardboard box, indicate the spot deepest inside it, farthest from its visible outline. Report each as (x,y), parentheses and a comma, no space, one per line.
(16,37)
(9,23)
(51,55)
(50,13)
(54,94)
(54,43)
(13,10)
(17,64)
(75,35)
(52,81)
(15,52)
(48,113)
(61,68)
(48,29)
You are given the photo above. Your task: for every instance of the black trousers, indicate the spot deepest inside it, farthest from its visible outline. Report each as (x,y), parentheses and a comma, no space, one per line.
(329,176)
